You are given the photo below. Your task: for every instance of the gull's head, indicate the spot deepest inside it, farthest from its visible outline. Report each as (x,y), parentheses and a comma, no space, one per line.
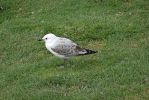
(49,37)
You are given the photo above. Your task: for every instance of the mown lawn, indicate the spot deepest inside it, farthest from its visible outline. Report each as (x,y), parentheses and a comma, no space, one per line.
(117,29)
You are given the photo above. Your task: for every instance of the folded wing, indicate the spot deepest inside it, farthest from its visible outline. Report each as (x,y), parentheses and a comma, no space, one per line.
(68,48)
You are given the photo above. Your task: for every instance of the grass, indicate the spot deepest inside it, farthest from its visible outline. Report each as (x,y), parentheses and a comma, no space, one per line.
(118,29)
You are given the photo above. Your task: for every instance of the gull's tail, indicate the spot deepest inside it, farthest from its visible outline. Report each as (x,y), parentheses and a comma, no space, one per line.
(86,52)
(90,52)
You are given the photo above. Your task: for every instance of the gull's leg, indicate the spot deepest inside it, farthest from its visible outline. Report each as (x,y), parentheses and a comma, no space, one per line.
(64,63)
(68,62)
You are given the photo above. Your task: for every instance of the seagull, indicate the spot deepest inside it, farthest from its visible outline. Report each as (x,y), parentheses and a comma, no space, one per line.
(64,48)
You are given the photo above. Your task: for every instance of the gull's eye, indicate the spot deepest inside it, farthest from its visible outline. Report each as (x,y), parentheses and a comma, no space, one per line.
(46,38)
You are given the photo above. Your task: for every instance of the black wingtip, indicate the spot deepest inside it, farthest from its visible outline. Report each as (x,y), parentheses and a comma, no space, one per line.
(90,51)
(87,52)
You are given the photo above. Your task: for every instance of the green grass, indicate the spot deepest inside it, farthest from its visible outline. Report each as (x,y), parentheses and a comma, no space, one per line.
(118,29)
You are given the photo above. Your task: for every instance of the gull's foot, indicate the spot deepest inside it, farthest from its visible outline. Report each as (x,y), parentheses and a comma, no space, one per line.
(61,66)
(73,66)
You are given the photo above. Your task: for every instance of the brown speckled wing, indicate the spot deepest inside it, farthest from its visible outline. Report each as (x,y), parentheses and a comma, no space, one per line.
(65,49)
